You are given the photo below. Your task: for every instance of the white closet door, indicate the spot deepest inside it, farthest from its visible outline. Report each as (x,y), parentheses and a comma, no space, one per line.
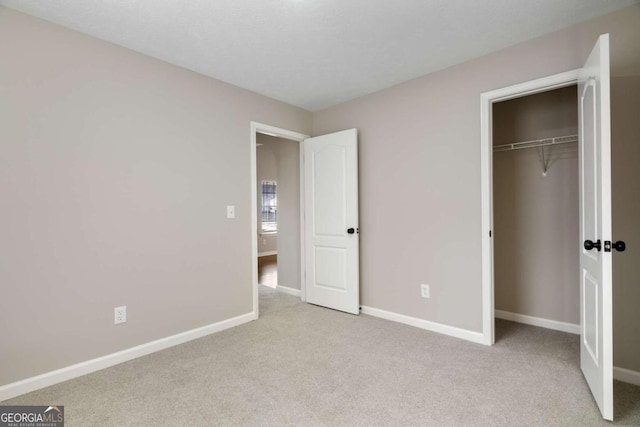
(596,308)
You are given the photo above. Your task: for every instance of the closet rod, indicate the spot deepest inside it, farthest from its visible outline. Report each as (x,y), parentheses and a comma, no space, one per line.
(536,143)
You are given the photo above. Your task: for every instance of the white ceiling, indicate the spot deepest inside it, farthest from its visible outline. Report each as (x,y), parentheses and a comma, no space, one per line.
(316,53)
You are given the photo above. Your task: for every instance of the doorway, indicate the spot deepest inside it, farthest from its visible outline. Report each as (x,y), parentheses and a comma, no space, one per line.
(535,209)
(595,246)
(286,145)
(488,99)
(328,244)
(278,199)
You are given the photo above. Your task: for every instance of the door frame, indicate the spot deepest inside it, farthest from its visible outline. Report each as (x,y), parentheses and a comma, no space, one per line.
(487,99)
(262,128)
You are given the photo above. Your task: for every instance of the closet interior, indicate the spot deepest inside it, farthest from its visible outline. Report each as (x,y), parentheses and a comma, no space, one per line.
(535,209)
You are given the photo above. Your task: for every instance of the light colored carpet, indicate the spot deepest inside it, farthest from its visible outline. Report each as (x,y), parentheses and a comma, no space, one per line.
(304,365)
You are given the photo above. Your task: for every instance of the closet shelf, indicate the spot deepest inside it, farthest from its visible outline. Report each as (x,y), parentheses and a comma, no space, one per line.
(536,143)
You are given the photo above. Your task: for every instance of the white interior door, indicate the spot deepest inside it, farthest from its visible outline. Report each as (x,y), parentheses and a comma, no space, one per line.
(596,309)
(331,221)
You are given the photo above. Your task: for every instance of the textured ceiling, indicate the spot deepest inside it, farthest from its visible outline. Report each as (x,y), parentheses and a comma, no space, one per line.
(315,53)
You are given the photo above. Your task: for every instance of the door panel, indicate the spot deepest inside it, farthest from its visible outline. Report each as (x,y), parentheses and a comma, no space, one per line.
(330,268)
(590,161)
(328,163)
(596,334)
(590,291)
(331,208)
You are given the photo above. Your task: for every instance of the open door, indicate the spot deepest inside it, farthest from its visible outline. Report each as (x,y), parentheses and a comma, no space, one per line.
(596,308)
(331,221)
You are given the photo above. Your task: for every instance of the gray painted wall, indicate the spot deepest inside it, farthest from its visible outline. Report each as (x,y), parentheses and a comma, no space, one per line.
(535,217)
(419,166)
(115,174)
(625,153)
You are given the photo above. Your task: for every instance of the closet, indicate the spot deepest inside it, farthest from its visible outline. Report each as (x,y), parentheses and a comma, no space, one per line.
(535,209)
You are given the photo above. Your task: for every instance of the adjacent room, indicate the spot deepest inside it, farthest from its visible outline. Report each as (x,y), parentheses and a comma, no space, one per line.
(278,218)
(320,213)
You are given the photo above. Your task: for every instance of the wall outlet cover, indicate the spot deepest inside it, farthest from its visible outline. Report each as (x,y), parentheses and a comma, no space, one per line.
(120,315)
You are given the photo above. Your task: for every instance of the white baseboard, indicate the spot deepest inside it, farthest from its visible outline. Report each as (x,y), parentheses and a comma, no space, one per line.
(571,328)
(452,331)
(626,375)
(267,253)
(288,290)
(18,388)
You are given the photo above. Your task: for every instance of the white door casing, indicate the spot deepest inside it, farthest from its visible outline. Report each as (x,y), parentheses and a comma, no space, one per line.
(487,99)
(596,307)
(331,221)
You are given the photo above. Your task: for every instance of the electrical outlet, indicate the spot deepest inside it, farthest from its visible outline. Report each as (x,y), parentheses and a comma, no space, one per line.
(424,291)
(120,315)
(231,212)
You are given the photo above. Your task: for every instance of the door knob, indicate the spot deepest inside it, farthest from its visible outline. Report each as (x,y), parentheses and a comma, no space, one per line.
(619,246)
(588,245)
(351,230)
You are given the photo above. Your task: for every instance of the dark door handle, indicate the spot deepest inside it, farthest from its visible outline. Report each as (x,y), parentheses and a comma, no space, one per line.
(351,230)
(619,246)
(588,245)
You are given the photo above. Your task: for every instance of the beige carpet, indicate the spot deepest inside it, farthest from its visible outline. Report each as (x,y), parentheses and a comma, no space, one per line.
(304,365)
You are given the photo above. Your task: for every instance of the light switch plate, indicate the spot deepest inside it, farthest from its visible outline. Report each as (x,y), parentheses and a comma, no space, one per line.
(231,212)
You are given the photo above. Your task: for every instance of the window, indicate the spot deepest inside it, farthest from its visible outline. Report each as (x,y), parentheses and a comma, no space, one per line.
(269,207)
